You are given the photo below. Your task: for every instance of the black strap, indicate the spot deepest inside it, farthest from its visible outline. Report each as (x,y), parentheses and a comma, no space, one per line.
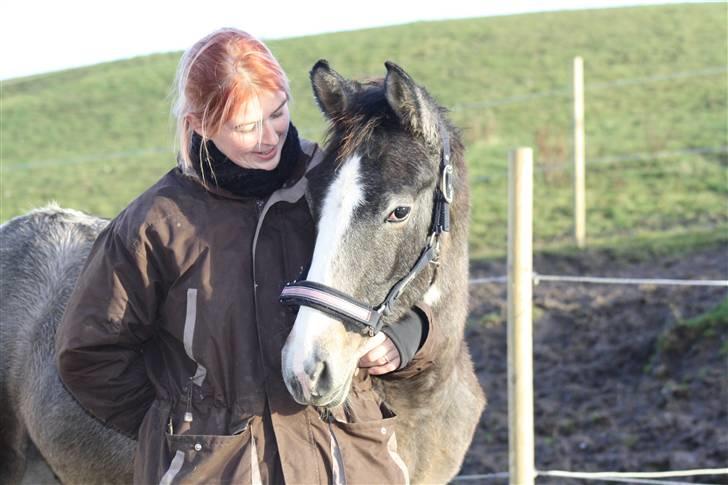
(445,190)
(428,254)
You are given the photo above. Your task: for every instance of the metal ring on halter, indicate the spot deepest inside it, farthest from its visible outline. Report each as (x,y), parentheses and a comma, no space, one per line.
(446,183)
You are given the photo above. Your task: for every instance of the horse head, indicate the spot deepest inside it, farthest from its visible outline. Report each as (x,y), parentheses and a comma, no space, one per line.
(373,197)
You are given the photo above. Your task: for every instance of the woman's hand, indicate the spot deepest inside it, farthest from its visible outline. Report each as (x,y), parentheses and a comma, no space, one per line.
(381,356)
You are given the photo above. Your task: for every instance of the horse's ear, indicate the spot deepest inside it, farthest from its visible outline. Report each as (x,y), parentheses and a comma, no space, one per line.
(330,89)
(411,103)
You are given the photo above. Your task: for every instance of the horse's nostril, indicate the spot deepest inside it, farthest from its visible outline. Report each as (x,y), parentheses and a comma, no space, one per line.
(295,387)
(318,372)
(314,370)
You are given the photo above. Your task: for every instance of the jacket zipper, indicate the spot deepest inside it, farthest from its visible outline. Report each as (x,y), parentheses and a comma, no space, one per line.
(259,203)
(259,206)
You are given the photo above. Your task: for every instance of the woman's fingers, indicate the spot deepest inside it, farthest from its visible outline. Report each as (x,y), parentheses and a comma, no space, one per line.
(378,352)
(382,358)
(373,343)
(388,364)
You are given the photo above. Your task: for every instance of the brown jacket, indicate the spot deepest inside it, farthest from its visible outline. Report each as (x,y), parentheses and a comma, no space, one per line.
(174,333)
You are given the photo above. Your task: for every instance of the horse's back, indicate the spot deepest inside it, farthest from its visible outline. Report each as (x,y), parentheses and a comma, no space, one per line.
(41,256)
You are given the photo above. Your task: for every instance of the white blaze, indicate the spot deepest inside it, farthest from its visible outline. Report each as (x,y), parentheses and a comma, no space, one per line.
(345,194)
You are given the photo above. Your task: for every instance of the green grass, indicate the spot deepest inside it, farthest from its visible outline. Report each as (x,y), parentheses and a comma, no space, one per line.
(714,320)
(93,138)
(712,325)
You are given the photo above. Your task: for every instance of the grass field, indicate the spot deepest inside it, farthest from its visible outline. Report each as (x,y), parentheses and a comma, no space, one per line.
(93,138)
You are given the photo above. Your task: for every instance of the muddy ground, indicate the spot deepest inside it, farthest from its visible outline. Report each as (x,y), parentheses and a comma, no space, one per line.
(618,387)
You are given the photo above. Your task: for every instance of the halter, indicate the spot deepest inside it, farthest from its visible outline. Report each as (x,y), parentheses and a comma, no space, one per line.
(367,318)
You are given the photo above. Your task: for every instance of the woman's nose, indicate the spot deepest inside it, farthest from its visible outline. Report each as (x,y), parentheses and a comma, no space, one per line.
(270,135)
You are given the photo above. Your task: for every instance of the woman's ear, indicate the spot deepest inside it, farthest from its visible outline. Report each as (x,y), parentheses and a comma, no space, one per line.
(195,123)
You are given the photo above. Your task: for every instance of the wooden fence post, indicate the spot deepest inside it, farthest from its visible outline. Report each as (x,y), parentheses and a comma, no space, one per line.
(579,155)
(520,339)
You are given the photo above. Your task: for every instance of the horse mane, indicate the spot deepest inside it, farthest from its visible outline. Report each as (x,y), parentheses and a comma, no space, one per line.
(368,109)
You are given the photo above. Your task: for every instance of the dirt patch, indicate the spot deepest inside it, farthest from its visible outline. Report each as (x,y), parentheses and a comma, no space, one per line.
(608,396)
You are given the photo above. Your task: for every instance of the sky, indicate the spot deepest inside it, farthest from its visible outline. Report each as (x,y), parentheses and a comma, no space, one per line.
(51,35)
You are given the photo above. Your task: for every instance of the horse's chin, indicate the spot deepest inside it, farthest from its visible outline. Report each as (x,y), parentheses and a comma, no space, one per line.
(330,400)
(327,404)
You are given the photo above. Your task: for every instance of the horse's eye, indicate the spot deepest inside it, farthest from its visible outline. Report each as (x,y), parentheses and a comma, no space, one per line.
(399,214)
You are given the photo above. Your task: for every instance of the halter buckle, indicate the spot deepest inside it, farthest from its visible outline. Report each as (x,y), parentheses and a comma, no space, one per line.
(446,186)
(434,242)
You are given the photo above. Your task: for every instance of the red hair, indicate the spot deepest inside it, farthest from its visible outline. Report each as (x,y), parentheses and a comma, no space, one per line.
(219,76)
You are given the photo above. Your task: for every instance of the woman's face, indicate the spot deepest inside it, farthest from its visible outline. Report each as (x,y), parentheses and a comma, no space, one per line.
(250,144)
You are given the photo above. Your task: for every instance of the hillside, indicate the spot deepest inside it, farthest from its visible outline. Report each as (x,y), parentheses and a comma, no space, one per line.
(95,137)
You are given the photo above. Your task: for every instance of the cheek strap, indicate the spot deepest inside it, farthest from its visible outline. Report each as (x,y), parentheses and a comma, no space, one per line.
(342,306)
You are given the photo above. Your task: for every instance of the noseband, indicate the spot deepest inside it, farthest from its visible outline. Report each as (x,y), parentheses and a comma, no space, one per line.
(367,318)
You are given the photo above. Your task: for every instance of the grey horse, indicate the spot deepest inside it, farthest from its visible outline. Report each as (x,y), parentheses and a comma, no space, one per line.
(387,136)
(41,255)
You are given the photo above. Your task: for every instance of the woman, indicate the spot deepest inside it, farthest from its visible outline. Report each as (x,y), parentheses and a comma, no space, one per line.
(174,332)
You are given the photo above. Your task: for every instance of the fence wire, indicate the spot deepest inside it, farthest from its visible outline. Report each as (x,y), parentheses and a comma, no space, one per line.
(93,158)
(537,278)
(623,477)
(548,166)
(591,86)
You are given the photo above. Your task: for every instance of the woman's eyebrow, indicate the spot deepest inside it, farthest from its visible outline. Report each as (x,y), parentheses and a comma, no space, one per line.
(254,122)
(281,105)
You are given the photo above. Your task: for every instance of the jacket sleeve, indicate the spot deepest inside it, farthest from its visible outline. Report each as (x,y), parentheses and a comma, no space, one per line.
(107,321)
(425,356)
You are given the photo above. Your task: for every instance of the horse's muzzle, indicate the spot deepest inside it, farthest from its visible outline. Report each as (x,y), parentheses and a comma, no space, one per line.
(313,384)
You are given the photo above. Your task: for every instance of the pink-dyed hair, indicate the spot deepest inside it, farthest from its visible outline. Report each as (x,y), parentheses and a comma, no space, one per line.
(217,77)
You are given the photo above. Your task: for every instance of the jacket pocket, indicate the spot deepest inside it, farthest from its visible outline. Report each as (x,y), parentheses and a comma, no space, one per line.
(212,459)
(367,450)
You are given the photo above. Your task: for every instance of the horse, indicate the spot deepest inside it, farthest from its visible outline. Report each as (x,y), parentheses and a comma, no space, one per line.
(373,200)
(41,256)
(392,208)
